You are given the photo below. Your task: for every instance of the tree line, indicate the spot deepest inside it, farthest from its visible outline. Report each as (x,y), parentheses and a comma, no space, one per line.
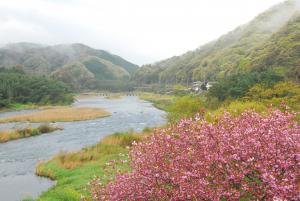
(17,87)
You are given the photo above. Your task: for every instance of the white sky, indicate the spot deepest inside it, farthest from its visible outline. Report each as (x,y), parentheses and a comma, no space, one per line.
(141,31)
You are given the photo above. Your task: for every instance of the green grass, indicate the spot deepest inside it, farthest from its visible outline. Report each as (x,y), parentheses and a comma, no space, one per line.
(71,183)
(73,171)
(19,106)
(160,101)
(235,108)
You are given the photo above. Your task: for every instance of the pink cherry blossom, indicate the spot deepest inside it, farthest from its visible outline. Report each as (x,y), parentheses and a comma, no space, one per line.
(251,156)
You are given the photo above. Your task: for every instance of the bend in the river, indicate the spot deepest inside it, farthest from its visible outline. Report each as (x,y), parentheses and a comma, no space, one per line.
(18,158)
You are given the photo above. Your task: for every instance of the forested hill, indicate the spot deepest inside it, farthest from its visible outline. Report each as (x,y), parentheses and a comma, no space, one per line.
(16,87)
(76,64)
(281,52)
(269,40)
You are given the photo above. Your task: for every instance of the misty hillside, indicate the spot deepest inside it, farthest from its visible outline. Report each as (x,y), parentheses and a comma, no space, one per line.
(244,48)
(104,69)
(281,52)
(72,63)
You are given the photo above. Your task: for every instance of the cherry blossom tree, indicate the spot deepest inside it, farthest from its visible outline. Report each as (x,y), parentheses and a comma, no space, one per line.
(251,157)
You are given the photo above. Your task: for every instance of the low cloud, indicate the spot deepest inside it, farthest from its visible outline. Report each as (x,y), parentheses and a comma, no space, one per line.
(138,30)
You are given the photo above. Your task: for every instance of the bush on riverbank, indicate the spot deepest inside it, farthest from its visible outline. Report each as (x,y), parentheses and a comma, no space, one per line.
(282,92)
(184,107)
(13,134)
(251,156)
(235,108)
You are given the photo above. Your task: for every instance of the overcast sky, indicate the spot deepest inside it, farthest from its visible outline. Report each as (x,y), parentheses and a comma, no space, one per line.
(141,31)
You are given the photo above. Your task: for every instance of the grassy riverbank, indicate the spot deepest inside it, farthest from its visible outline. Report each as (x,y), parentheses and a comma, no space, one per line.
(14,134)
(107,95)
(87,95)
(160,101)
(18,106)
(59,114)
(114,96)
(73,171)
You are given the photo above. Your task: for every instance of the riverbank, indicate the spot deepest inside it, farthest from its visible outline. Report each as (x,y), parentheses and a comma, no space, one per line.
(59,114)
(14,134)
(87,95)
(74,170)
(19,157)
(114,96)
(160,101)
(106,95)
(18,106)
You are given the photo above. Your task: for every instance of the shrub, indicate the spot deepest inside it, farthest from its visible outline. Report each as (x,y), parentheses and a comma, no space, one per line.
(183,107)
(287,92)
(237,85)
(252,157)
(179,90)
(235,108)
(46,128)
(34,132)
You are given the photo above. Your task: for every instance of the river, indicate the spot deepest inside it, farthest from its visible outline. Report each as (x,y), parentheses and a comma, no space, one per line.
(18,158)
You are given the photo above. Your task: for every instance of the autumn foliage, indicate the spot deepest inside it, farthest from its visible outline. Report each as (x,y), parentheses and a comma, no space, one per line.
(249,157)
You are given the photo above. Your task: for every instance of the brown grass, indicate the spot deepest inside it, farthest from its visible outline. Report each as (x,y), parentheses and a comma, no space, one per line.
(13,134)
(59,114)
(7,135)
(111,144)
(122,140)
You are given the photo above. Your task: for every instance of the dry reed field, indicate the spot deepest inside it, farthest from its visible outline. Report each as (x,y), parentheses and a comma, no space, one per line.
(59,114)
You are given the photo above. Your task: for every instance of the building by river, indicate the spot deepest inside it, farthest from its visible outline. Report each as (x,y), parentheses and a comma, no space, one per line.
(200,86)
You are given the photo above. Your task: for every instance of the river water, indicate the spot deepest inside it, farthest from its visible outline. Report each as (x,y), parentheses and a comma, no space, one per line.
(18,158)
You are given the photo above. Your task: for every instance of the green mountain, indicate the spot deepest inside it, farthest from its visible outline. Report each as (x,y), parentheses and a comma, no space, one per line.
(281,52)
(246,47)
(75,75)
(75,64)
(103,69)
